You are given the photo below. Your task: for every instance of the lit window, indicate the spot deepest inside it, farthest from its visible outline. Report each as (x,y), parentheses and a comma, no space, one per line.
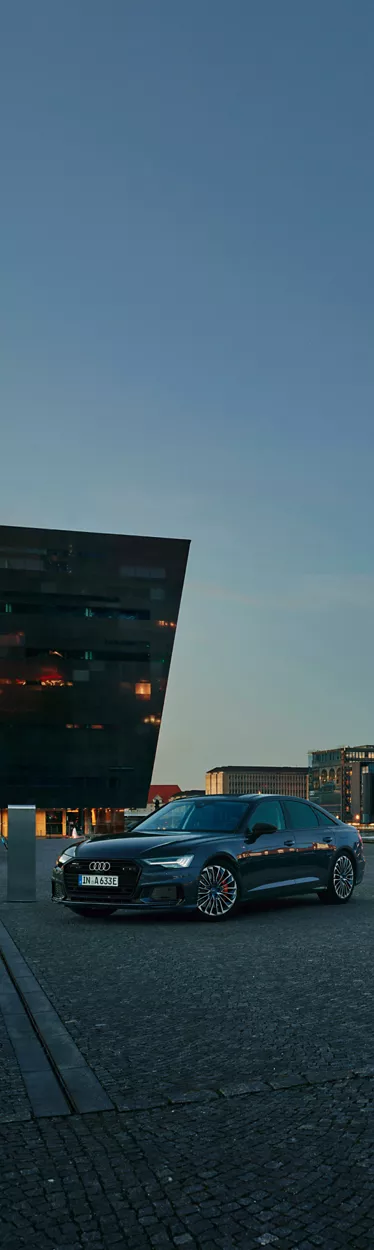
(37,682)
(143,689)
(53,681)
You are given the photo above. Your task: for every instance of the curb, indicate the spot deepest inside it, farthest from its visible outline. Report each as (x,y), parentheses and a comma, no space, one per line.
(78,1083)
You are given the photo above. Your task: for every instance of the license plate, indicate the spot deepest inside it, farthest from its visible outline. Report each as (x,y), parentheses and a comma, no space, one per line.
(85,879)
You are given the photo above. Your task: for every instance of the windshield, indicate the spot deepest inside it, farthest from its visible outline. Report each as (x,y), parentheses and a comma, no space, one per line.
(212,816)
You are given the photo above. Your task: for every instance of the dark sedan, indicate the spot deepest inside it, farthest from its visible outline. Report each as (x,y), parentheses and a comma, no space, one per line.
(211,854)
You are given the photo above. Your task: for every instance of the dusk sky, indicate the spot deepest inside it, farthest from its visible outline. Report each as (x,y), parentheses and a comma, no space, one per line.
(187,323)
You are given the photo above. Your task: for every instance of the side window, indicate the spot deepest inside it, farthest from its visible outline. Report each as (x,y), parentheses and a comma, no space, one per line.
(300,815)
(325,820)
(268,812)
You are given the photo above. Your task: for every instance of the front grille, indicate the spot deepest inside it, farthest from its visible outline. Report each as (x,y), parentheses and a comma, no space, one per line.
(126,870)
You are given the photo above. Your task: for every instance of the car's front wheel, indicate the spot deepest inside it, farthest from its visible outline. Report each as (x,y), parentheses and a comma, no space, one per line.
(342,881)
(218,892)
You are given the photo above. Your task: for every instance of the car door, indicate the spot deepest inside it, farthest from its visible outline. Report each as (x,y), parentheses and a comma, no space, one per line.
(328,843)
(314,844)
(267,862)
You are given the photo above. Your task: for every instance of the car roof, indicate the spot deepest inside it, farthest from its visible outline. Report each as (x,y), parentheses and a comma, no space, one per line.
(237,798)
(293,798)
(203,798)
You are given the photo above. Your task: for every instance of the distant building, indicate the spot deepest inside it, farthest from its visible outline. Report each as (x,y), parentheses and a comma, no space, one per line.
(161,795)
(231,779)
(342,780)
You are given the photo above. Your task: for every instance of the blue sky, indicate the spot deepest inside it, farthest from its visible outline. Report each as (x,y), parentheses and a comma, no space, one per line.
(187,338)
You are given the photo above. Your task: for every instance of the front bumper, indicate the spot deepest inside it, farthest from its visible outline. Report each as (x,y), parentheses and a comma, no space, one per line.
(156,889)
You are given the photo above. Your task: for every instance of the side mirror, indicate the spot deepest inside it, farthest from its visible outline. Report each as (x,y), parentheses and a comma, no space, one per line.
(258,830)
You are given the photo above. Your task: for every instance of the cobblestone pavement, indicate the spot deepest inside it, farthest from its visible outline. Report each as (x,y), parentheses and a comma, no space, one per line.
(294,1170)
(169,1003)
(285,988)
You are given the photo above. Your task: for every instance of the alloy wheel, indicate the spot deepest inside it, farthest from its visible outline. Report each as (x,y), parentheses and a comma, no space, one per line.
(343,877)
(217,892)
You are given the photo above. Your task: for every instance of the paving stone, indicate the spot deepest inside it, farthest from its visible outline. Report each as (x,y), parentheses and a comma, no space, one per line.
(287,1082)
(243,1089)
(140,1102)
(206,1095)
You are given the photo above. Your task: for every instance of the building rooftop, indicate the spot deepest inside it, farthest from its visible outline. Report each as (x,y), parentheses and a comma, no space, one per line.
(258,768)
(326,750)
(162,792)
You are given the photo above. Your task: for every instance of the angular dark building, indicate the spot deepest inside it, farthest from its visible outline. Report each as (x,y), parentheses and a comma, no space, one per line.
(87,627)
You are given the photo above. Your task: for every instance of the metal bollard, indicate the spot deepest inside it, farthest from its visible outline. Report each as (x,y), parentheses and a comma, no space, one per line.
(21,854)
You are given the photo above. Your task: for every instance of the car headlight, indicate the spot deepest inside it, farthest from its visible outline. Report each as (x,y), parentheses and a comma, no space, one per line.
(183,861)
(68,854)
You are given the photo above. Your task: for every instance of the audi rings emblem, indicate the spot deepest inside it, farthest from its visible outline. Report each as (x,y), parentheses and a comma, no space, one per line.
(98,865)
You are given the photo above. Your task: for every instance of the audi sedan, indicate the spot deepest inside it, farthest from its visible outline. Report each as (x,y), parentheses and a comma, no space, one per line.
(211,854)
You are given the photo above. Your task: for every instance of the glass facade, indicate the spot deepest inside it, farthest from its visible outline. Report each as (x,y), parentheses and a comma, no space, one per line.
(87,627)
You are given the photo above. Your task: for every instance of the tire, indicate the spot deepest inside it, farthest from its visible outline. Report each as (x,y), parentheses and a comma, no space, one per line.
(217,892)
(93,911)
(342,880)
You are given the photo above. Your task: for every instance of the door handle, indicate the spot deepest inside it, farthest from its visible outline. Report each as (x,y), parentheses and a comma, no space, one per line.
(328,839)
(290,842)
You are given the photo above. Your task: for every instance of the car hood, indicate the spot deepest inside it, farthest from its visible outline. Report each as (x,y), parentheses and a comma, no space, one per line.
(136,848)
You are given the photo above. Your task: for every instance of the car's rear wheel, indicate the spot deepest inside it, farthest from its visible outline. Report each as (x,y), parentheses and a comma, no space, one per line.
(93,911)
(218,892)
(342,881)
